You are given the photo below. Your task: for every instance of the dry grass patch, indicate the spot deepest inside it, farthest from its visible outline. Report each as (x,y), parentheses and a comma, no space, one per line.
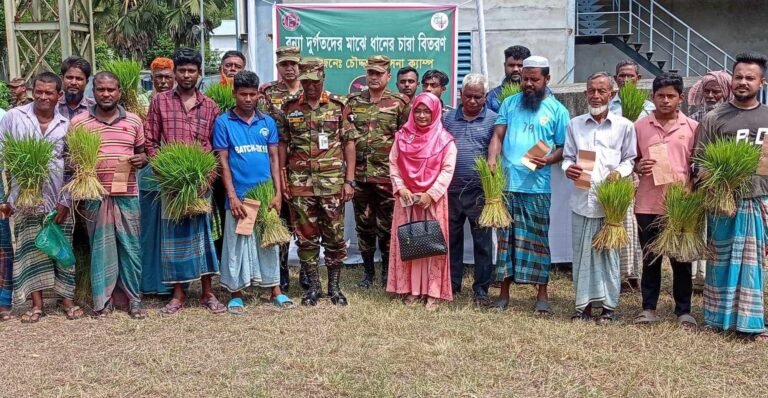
(376,347)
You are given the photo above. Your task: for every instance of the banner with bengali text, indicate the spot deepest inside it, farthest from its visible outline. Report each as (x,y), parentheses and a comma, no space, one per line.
(345,35)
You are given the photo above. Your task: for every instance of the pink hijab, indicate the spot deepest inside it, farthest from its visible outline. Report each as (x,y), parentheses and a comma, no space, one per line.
(422,148)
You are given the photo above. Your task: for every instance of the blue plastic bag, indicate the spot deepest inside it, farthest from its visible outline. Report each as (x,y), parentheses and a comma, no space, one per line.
(52,241)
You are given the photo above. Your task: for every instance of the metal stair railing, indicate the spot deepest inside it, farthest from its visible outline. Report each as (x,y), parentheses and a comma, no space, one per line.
(652,25)
(653,21)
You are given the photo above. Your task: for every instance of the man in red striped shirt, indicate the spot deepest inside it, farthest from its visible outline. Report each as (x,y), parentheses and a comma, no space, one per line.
(185,115)
(113,222)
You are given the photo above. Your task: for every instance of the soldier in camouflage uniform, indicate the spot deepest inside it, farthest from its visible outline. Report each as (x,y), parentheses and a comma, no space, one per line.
(273,95)
(315,141)
(376,113)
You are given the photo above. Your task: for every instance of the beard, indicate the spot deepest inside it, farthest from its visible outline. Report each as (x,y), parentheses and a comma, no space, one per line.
(108,108)
(532,101)
(73,97)
(594,111)
(744,98)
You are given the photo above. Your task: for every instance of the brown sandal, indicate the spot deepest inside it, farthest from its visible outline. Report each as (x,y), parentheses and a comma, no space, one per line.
(32,316)
(74,312)
(6,316)
(172,308)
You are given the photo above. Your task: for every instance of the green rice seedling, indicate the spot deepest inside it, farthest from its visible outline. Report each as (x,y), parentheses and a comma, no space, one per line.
(495,213)
(27,161)
(508,90)
(222,95)
(632,101)
(727,167)
(615,196)
(182,172)
(83,146)
(269,227)
(128,72)
(682,225)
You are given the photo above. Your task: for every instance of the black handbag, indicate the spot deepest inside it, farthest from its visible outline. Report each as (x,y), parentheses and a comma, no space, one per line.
(420,239)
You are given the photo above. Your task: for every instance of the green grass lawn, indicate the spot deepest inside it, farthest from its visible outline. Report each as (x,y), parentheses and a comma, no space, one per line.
(377,347)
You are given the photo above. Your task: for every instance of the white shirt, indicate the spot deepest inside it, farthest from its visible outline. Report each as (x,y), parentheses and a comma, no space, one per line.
(615,146)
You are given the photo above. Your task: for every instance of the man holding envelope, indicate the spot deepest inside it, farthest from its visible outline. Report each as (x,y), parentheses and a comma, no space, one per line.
(246,140)
(599,145)
(665,141)
(529,134)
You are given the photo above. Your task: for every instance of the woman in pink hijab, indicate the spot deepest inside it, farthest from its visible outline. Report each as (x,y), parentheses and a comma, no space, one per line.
(421,165)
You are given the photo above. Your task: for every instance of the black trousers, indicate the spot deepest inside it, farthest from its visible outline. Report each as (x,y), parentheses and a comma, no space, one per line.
(650,284)
(463,206)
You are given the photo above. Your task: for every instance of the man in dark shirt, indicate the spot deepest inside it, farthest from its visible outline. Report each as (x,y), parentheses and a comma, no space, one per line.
(471,124)
(733,290)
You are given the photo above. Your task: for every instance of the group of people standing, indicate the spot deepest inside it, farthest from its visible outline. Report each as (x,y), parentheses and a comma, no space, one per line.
(398,156)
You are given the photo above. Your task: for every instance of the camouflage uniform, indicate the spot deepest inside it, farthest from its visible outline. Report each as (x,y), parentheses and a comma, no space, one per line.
(315,178)
(273,96)
(376,124)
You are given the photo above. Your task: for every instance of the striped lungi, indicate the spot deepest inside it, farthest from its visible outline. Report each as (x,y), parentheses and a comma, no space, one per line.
(34,271)
(631,255)
(113,227)
(733,286)
(187,250)
(6,263)
(524,246)
(595,272)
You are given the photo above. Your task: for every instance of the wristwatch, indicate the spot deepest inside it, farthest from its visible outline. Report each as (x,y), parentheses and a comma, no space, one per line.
(351,183)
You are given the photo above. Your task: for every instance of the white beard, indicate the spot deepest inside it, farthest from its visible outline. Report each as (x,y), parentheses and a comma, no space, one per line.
(598,111)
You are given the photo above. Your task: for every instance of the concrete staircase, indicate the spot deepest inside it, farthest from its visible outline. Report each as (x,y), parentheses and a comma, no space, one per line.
(650,35)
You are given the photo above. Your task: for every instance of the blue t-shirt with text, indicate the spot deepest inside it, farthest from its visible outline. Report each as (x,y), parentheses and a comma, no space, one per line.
(247,146)
(524,129)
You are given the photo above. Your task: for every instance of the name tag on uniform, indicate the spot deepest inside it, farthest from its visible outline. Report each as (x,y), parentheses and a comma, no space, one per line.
(322,141)
(295,119)
(277,101)
(359,110)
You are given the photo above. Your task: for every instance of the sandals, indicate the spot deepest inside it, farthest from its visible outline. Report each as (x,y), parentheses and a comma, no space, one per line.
(235,306)
(581,316)
(761,338)
(73,312)
(214,306)
(6,316)
(283,302)
(136,311)
(606,317)
(32,316)
(172,308)
(542,308)
(687,322)
(647,317)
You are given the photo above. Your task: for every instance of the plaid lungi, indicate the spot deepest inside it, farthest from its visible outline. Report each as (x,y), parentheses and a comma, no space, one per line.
(524,246)
(187,250)
(113,228)
(631,255)
(733,286)
(34,271)
(6,264)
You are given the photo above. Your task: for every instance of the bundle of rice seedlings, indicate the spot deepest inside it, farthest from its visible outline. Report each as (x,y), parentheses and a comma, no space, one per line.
(508,90)
(27,161)
(128,72)
(495,213)
(222,95)
(268,226)
(681,226)
(83,146)
(727,168)
(632,101)
(181,172)
(615,196)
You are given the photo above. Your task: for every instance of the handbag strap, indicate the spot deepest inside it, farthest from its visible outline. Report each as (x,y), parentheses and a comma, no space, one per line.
(430,209)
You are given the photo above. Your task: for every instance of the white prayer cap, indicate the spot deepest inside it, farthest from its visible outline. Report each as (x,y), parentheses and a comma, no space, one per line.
(535,61)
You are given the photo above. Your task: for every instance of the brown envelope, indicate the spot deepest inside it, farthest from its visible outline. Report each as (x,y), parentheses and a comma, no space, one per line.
(662,170)
(586,161)
(245,225)
(762,167)
(120,177)
(540,149)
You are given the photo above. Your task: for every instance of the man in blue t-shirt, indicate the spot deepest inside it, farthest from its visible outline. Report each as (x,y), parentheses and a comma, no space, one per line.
(532,118)
(246,141)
